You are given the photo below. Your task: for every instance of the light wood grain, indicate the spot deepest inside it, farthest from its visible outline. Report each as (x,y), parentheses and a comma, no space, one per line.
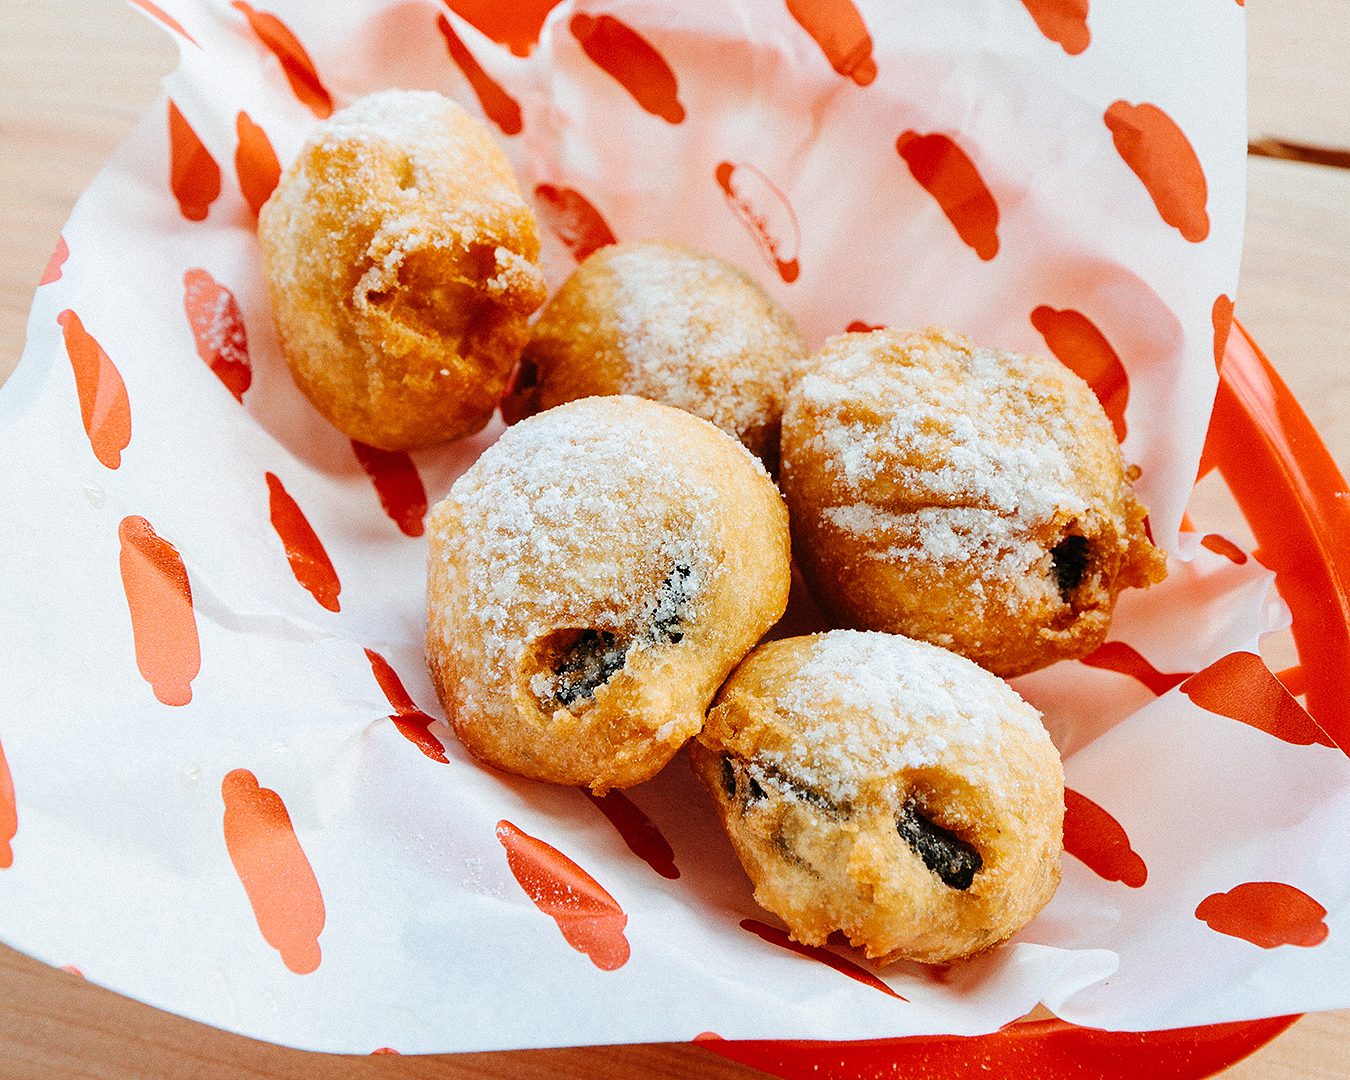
(75,74)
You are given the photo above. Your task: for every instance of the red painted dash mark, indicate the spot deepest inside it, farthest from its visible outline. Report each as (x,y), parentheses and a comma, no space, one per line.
(255,162)
(218,330)
(590,919)
(274,871)
(623,53)
(159,597)
(1294,679)
(384,1050)
(775,936)
(9,814)
(839,30)
(295,62)
(155,11)
(1084,350)
(1122,658)
(1063,22)
(515,25)
(766,214)
(104,406)
(1096,839)
(397,484)
(945,171)
(1221,315)
(1151,144)
(194,176)
(410,721)
(643,838)
(54,264)
(857,326)
(499,106)
(574,220)
(1241,687)
(1266,913)
(1221,545)
(304,551)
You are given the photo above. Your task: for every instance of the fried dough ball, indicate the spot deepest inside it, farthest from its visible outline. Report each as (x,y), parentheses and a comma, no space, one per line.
(402,265)
(667,322)
(886,788)
(970,497)
(592,579)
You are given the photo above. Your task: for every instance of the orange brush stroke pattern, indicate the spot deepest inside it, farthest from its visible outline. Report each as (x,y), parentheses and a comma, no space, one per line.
(515,25)
(295,62)
(304,551)
(945,171)
(573,220)
(1266,913)
(1241,687)
(168,20)
(1084,350)
(397,484)
(775,936)
(104,406)
(623,53)
(1063,22)
(1096,839)
(218,330)
(9,814)
(255,162)
(499,106)
(1221,315)
(1122,658)
(765,212)
(54,264)
(1221,545)
(1158,152)
(643,838)
(194,176)
(410,721)
(274,871)
(590,919)
(159,596)
(838,28)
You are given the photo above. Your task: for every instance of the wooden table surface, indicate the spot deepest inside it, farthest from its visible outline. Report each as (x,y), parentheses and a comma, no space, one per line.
(74,75)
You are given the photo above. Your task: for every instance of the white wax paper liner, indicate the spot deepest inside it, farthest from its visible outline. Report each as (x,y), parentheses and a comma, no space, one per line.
(263,825)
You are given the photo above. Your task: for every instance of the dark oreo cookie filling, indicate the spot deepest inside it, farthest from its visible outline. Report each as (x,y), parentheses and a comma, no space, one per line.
(942,851)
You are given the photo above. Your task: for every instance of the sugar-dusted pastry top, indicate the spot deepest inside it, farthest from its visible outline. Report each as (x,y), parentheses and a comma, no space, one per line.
(887,788)
(972,497)
(668,322)
(591,580)
(402,266)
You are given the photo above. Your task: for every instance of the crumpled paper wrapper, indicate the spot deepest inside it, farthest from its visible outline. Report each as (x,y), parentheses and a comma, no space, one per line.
(224,785)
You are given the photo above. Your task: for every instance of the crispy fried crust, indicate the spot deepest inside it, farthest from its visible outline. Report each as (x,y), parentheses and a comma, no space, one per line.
(970,497)
(402,265)
(888,789)
(592,579)
(665,321)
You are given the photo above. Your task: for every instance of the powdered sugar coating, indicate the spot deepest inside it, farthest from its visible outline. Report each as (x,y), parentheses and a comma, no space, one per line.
(668,322)
(968,496)
(591,580)
(886,788)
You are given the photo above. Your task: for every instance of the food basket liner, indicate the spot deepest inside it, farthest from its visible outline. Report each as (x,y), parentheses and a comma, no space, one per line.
(269,828)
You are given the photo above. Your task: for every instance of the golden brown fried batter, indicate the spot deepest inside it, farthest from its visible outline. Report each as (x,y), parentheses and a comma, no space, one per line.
(667,322)
(886,788)
(592,579)
(970,497)
(401,263)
